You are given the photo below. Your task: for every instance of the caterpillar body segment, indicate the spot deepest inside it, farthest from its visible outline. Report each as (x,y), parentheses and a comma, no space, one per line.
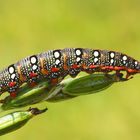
(55,64)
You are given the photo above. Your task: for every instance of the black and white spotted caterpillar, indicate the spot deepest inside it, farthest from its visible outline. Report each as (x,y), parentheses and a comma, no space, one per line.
(55,64)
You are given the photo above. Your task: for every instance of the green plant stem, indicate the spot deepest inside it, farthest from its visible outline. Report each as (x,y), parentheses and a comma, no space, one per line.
(67,89)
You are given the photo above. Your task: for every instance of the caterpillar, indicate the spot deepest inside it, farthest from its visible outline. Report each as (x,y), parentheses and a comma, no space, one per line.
(55,64)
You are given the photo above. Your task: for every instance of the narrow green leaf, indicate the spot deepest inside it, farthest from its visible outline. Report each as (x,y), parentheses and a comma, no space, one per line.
(16,120)
(89,84)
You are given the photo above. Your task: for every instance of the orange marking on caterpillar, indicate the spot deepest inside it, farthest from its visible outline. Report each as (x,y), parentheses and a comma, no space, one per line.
(32,75)
(74,66)
(53,69)
(12,84)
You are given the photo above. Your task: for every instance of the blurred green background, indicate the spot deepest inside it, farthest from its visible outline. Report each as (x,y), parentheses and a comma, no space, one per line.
(31,26)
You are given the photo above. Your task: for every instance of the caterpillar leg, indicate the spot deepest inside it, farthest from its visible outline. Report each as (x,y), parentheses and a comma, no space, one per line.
(128,76)
(74,72)
(120,75)
(13,94)
(32,84)
(53,81)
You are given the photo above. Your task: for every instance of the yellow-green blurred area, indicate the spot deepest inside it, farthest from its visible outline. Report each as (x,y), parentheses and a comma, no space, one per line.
(32,26)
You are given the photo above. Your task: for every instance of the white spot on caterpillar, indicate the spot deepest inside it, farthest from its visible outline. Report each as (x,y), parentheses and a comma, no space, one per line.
(124,58)
(136,63)
(112,61)
(57,61)
(78,52)
(33,60)
(124,62)
(112,55)
(96,53)
(34,67)
(56,54)
(13,76)
(78,59)
(11,70)
(95,60)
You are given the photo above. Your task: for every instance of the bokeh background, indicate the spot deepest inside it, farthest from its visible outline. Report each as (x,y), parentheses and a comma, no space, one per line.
(31,26)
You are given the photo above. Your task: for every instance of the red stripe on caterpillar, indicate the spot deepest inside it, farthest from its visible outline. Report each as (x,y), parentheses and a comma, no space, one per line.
(56,64)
